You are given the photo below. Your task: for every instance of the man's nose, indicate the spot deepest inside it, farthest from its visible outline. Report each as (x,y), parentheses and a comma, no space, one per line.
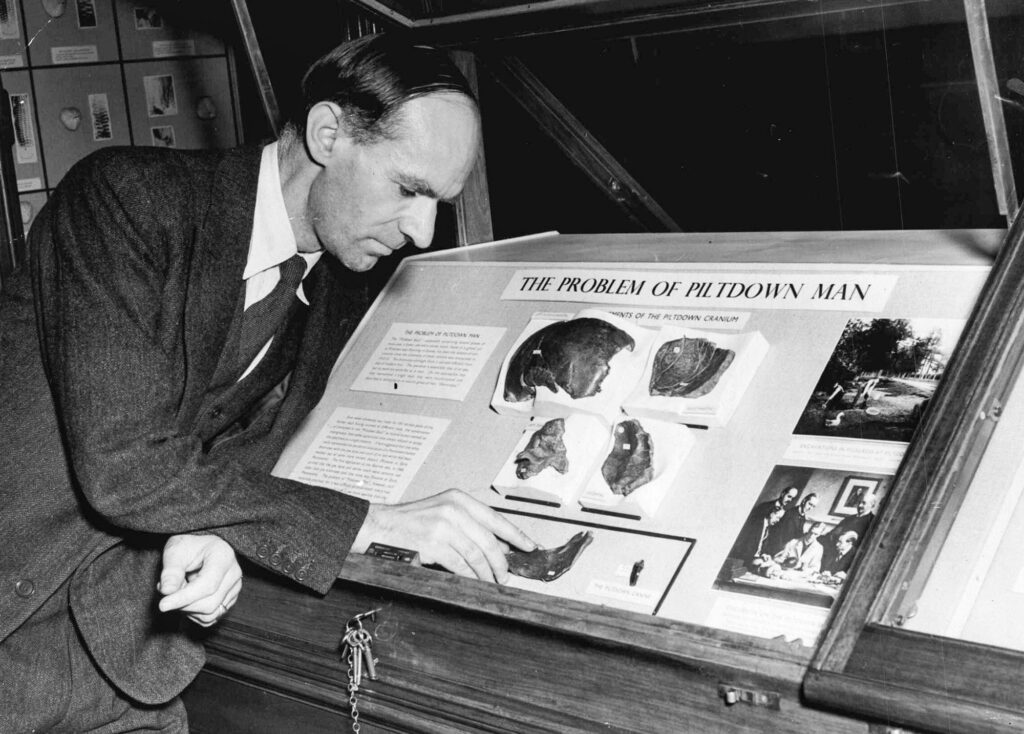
(417,224)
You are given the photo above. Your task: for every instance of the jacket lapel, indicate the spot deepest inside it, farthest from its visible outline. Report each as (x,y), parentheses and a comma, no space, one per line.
(215,278)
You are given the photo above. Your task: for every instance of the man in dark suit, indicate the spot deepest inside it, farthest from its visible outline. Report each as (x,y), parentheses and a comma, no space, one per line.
(138,400)
(858,523)
(782,502)
(753,536)
(837,557)
(793,524)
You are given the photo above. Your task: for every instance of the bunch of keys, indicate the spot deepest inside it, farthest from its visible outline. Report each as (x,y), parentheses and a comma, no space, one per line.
(358,650)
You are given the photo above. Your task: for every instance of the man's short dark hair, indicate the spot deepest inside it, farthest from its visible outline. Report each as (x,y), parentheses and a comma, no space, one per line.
(371,77)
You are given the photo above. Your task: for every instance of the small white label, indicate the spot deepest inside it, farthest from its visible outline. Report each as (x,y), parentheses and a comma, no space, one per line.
(621,592)
(74,54)
(163,49)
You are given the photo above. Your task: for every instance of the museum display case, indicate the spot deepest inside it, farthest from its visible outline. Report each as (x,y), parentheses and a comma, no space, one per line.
(798,565)
(927,636)
(659,601)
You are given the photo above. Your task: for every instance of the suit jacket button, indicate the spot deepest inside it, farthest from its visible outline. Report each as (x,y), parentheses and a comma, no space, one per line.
(287,567)
(275,560)
(25,588)
(263,551)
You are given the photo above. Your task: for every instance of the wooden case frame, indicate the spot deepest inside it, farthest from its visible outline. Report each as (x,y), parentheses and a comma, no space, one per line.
(866,663)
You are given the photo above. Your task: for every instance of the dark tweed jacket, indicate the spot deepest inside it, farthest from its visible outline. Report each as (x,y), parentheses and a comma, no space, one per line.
(112,413)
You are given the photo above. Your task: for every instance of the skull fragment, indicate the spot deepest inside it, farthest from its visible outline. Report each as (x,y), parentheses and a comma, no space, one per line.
(688,367)
(572,355)
(630,463)
(546,448)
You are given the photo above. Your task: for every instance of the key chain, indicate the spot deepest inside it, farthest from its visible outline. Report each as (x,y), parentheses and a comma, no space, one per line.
(357,644)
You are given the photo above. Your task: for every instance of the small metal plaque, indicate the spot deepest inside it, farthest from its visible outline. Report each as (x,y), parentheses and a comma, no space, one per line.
(392,553)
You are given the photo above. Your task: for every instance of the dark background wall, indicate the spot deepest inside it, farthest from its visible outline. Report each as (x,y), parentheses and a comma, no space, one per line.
(859,120)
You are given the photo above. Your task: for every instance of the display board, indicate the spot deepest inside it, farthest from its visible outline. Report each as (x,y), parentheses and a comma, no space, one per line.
(831,367)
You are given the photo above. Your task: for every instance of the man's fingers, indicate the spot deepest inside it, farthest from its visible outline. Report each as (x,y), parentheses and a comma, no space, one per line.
(178,560)
(198,588)
(483,552)
(211,609)
(494,521)
(451,529)
(171,579)
(198,572)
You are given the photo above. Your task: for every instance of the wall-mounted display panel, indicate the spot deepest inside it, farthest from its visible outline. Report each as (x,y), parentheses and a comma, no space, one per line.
(81,109)
(70,32)
(30,204)
(181,103)
(12,35)
(146,33)
(450,371)
(26,150)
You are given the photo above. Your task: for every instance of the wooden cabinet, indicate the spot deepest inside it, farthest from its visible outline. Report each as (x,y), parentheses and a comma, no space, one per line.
(462,655)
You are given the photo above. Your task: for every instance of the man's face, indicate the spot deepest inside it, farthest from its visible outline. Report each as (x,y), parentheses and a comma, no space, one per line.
(808,504)
(864,506)
(774,516)
(843,545)
(373,198)
(787,497)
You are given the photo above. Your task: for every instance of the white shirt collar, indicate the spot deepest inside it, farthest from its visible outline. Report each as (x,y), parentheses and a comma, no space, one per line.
(273,240)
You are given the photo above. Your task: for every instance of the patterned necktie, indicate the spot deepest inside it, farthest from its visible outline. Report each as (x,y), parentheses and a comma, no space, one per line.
(262,319)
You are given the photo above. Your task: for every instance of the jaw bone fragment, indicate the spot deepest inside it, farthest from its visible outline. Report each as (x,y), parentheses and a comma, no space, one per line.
(548,564)
(630,464)
(688,368)
(572,355)
(545,448)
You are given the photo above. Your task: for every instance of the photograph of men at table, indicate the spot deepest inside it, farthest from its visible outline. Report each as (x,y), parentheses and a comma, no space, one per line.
(799,540)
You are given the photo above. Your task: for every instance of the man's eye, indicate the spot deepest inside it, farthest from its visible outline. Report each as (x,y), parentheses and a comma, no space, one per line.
(407,192)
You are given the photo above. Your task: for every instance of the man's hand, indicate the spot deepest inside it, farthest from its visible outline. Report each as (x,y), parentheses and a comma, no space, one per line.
(450,529)
(200,577)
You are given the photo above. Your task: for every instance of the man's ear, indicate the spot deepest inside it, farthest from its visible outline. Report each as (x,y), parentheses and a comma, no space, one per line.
(325,132)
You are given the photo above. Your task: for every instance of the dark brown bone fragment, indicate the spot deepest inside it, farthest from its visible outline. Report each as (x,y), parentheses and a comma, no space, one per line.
(630,464)
(572,355)
(547,564)
(688,368)
(545,448)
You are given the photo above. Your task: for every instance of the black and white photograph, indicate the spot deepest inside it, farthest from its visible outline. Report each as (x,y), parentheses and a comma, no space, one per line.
(853,491)
(880,379)
(162,136)
(791,545)
(9,23)
(161,99)
(86,13)
(99,110)
(587,366)
(147,19)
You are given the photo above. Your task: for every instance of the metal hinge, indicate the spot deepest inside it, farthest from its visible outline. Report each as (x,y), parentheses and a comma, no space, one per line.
(734,694)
